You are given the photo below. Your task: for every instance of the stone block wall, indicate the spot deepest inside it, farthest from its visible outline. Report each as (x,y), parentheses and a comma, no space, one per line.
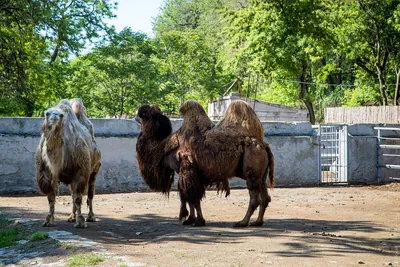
(294,145)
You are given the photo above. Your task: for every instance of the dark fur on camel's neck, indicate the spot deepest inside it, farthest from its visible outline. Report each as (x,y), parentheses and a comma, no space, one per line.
(151,152)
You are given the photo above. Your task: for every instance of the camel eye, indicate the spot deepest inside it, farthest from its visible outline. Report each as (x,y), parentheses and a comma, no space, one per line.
(47,114)
(61,116)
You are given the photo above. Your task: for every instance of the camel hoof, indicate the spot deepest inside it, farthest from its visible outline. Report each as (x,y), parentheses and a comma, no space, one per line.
(240,224)
(49,221)
(80,222)
(189,221)
(91,218)
(183,213)
(257,223)
(200,222)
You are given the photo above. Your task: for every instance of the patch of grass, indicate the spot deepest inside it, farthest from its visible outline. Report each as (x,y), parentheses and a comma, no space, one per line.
(123,265)
(67,245)
(4,222)
(9,237)
(37,236)
(85,260)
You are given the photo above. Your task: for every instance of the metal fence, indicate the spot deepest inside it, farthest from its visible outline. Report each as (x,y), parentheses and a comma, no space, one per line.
(333,154)
(388,145)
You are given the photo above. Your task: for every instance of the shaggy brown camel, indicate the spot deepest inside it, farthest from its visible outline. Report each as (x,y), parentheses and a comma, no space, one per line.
(203,155)
(66,154)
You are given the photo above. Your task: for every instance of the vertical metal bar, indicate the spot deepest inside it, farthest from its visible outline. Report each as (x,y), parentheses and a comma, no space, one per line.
(379,155)
(346,145)
(319,140)
(333,153)
(342,154)
(339,154)
(323,152)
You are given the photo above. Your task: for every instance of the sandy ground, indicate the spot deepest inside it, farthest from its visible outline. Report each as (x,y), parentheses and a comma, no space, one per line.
(325,226)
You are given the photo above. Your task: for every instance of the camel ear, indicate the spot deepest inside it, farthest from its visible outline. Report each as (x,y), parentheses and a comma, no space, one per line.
(178,156)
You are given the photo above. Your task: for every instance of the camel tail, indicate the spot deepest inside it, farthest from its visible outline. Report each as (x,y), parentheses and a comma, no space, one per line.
(271,166)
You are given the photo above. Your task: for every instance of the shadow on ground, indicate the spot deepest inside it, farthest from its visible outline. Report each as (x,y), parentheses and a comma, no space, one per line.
(336,237)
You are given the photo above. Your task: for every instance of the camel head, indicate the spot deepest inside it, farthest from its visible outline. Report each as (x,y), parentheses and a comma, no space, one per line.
(54,118)
(145,112)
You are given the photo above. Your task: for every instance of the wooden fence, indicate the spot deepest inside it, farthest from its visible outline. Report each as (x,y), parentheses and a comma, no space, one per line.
(381,114)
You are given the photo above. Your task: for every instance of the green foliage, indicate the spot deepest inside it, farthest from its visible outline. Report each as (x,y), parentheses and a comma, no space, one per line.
(4,222)
(67,245)
(189,52)
(37,236)
(85,260)
(34,35)
(115,78)
(9,237)
(361,96)
(306,53)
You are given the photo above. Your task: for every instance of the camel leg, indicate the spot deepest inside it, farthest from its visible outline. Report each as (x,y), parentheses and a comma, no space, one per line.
(192,217)
(200,219)
(253,204)
(72,216)
(80,220)
(78,189)
(265,199)
(183,213)
(92,181)
(51,197)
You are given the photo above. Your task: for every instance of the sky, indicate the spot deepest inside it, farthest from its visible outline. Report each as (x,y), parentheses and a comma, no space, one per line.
(136,14)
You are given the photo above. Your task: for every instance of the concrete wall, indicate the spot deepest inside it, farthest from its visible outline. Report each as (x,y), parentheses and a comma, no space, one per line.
(295,147)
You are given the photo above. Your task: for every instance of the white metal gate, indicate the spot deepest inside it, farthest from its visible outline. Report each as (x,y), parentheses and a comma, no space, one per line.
(333,154)
(388,151)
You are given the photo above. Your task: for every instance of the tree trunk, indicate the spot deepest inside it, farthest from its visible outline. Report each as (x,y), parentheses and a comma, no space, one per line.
(339,65)
(55,53)
(307,102)
(310,108)
(329,79)
(304,93)
(396,90)
(382,86)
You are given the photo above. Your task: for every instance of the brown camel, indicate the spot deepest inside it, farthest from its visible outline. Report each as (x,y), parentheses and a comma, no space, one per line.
(66,154)
(203,155)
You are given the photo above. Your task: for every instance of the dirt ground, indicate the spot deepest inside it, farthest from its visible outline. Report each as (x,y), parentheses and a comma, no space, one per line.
(324,226)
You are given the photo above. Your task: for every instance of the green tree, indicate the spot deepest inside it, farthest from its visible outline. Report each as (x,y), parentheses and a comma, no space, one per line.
(115,78)
(189,50)
(368,35)
(33,35)
(282,40)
